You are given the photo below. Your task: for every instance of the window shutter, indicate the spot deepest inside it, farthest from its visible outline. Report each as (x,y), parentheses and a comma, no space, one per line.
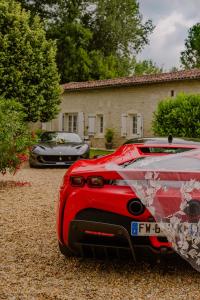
(124,125)
(139,125)
(91,124)
(44,126)
(81,124)
(61,122)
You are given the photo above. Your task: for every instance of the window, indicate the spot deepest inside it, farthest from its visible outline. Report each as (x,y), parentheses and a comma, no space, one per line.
(100,124)
(134,124)
(91,124)
(71,122)
(131,125)
(47,126)
(172,93)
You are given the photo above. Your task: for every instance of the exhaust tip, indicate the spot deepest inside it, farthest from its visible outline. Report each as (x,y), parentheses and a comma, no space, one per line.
(135,207)
(193,208)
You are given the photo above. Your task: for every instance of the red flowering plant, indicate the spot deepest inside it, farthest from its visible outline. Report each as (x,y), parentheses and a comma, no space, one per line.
(15,137)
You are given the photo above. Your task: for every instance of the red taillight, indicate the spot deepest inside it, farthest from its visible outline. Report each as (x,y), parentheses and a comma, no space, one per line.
(95,181)
(99,233)
(77,181)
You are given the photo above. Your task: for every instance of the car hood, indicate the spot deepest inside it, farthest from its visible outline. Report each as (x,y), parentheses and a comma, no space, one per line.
(60,149)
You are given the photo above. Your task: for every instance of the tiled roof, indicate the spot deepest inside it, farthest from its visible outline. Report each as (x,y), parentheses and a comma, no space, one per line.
(133,80)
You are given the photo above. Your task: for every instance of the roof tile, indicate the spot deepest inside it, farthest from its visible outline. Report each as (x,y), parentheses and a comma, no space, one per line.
(133,80)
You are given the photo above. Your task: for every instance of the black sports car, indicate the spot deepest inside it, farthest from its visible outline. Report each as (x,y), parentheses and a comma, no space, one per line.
(58,149)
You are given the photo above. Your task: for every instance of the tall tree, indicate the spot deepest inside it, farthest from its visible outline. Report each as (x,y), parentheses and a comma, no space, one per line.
(117,26)
(190,57)
(96,39)
(46,9)
(28,71)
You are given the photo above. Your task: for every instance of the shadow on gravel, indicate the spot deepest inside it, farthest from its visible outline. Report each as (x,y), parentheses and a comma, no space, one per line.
(173,265)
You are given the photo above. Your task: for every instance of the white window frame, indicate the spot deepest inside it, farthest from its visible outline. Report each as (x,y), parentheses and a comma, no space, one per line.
(73,127)
(100,125)
(133,124)
(91,124)
(130,130)
(137,118)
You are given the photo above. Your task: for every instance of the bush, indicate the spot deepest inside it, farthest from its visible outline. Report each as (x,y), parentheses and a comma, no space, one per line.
(15,137)
(179,116)
(109,135)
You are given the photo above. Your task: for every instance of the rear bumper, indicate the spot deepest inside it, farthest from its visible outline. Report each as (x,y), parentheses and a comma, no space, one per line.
(97,239)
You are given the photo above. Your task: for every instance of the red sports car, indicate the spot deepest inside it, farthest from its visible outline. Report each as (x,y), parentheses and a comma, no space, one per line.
(119,204)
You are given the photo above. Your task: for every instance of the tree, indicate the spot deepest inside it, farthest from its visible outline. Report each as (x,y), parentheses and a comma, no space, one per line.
(190,58)
(146,67)
(174,69)
(28,71)
(46,9)
(179,116)
(117,27)
(96,39)
(14,135)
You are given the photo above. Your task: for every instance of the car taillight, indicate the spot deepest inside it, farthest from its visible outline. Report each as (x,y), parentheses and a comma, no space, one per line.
(95,181)
(77,181)
(99,233)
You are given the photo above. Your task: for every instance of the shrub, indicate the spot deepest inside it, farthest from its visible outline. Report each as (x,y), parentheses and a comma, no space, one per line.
(109,135)
(15,137)
(179,116)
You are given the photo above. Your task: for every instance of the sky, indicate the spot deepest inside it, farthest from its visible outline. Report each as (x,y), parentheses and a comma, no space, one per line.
(172,19)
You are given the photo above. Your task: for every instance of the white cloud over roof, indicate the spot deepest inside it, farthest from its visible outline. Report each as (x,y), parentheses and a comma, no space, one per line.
(172,20)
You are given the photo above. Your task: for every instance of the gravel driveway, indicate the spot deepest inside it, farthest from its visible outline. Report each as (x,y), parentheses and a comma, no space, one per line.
(33,268)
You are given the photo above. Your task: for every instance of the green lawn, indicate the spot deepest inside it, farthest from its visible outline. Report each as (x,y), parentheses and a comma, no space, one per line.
(94,152)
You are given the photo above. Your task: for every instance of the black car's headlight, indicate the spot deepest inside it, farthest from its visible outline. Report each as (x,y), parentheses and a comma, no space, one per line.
(86,154)
(84,151)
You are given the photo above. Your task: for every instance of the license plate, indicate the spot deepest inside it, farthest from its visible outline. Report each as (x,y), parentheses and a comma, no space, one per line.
(145,229)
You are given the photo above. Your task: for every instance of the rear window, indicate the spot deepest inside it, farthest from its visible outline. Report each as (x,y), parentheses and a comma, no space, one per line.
(167,150)
(166,163)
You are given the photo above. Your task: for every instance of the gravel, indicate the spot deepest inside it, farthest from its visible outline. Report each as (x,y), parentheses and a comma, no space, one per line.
(33,268)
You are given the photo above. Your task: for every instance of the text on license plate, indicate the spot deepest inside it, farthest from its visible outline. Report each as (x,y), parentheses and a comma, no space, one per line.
(145,229)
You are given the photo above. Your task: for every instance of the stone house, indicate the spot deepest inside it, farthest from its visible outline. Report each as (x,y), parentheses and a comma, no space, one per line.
(124,104)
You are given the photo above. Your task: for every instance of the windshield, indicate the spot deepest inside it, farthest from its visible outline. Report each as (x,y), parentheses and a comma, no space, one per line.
(167,150)
(60,137)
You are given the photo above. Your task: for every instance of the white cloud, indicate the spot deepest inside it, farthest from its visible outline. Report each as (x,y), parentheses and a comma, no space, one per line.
(168,38)
(168,26)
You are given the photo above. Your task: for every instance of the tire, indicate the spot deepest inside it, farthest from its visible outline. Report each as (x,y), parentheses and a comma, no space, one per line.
(65,250)
(30,165)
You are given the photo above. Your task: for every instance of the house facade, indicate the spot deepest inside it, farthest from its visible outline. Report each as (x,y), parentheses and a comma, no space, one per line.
(125,104)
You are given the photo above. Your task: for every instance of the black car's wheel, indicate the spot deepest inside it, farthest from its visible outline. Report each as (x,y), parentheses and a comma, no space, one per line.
(65,250)
(31,165)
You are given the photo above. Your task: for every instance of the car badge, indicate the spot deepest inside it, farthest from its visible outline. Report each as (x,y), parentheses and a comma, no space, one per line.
(60,158)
